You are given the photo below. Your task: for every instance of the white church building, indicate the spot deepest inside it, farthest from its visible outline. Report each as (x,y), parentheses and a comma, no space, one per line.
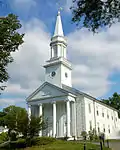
(68,111)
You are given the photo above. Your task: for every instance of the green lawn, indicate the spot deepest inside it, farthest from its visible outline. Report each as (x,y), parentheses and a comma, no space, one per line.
(62,145)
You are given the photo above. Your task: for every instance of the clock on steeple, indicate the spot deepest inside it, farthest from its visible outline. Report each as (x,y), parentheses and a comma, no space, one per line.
(58,68)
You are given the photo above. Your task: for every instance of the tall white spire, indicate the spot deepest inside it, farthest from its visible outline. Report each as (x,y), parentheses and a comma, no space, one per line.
(58,68)
(58,27)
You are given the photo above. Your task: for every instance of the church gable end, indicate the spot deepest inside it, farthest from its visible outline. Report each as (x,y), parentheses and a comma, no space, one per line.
(45,91)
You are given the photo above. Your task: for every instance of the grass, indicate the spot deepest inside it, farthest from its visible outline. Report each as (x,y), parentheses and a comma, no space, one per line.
(66,145)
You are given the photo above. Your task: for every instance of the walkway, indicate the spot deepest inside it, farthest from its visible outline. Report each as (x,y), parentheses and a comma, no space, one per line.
(115,145)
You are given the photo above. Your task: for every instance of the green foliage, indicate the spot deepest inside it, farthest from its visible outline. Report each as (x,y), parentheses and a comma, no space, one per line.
(93,135)
(35,125)
(2,123)
(94,14)
(96,137)
(84,134)
(10,39)
(114,102)
(13,117)
(17,121)
(20,143)
(23,121)
(13,135)
(5,146)
(4,137)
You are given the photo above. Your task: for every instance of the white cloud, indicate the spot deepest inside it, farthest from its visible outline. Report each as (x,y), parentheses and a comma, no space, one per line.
(68,4)
(16,89)
(5,102)
(95,58)
(27,67)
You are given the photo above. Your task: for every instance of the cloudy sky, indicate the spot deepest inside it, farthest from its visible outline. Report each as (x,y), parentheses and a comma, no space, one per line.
(95,58)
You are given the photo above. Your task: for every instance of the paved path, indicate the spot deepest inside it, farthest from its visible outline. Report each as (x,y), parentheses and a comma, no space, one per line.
(115,145)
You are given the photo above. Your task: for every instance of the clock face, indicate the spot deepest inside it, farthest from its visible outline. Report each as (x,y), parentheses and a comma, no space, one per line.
(53,74)
(66,75)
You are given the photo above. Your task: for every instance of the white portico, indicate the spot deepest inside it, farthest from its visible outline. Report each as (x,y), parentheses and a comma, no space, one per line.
(57,107)
(66,110)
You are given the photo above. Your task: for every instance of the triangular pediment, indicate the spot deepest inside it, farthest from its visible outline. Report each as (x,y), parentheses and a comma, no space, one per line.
(47,90)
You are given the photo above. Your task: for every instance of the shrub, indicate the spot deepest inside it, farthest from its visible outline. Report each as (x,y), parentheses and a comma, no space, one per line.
(4,137)
(84,134)
(93,135)
(13,135)
(96,137)
(5,146)
(21,143)
(42,140)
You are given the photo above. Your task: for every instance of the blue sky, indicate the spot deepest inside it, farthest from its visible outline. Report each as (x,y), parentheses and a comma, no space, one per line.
(95,59)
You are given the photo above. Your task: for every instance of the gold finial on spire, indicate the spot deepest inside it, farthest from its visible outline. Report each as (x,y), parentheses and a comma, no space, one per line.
(60,8)
(58,27)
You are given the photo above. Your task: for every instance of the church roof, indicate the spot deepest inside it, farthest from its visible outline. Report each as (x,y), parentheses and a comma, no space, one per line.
(71,90)
(77,92)
(58,27)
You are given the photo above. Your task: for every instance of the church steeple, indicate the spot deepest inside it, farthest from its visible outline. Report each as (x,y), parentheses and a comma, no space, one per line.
(58,42)
(58,27)
(58,68)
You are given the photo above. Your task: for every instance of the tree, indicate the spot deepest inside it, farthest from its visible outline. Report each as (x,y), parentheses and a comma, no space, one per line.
(13,117)
(10,39)
(92,134)
(95,14)
(114,102)
(84,134)
(35,126)
(17,121)
(2,115)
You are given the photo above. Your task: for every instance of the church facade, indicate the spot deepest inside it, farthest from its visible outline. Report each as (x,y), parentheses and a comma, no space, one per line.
(68,111)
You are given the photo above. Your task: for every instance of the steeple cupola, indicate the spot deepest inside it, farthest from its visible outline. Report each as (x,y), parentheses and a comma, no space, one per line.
(58,68)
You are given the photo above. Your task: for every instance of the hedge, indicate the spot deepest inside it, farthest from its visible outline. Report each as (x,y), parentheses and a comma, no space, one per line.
(22,143)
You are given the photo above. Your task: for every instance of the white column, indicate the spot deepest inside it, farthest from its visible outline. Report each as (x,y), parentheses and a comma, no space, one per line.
(51,52)
(74,118)
(68,118)
(54,119)
(40,114)
(29,111)
(40,110)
